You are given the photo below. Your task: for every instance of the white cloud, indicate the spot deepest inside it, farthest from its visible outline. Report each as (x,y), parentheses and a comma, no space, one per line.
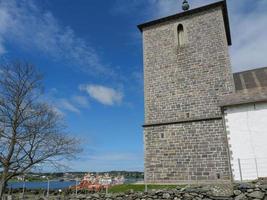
(81,101)
(152,9)
(248,34)
(57,110)
(64,104)
(114,157)
(3,28)
(29,27)
(168,7)
(106,161)
(105,95)
(67,105)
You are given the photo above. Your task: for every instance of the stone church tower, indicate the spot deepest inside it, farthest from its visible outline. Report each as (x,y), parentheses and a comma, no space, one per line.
(186,71)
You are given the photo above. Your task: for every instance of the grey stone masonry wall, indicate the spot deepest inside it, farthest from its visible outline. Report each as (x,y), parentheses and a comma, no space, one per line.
(190,152)
(188,79)
(185,84)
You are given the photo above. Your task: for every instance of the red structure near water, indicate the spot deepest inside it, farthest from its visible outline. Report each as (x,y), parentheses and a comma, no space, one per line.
(97,183)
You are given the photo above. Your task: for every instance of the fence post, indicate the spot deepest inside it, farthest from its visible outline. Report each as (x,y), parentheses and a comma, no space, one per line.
(257,169)
(76,186)
(48,187)
(106,189)
(240,170)
(145,187)
(23,187)
(188,176)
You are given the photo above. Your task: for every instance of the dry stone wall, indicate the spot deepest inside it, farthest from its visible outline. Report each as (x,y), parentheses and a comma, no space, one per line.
(241,191)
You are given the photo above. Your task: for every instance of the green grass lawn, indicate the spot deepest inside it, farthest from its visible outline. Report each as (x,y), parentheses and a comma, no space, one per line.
(138,188)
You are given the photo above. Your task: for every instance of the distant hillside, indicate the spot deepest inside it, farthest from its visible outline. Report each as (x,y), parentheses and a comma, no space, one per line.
(126,174)
(73,175)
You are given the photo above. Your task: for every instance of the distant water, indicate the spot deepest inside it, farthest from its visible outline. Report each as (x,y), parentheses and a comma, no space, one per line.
(53,185)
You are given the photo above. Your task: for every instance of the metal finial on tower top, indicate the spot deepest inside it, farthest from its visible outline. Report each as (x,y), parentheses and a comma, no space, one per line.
(185,5)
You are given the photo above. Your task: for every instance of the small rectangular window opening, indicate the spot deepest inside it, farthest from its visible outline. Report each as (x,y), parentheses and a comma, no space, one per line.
(180,35)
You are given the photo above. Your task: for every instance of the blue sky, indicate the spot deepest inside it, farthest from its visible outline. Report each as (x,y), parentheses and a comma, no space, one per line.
(90,52)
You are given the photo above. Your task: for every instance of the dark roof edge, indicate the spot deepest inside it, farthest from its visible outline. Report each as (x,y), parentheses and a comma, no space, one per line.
(249,70)
(193,11)
(243,103)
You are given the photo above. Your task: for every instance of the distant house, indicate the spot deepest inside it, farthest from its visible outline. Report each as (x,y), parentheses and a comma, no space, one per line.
(68,176)
(20,178)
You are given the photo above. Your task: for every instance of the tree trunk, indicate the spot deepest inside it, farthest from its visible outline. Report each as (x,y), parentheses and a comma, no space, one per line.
(3,183)
(2,189)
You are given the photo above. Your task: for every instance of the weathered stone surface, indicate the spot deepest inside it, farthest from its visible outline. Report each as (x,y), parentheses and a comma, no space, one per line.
(166,196)
(188,79)
(246,186)
(256,195)
(171,159)
(264,187)
(237,192)
(241,197)
(185,83)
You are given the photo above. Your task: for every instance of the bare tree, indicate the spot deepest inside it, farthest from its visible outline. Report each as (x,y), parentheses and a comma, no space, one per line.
(32,133)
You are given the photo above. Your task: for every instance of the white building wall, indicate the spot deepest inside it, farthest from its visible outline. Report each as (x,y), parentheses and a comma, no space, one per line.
(247,134)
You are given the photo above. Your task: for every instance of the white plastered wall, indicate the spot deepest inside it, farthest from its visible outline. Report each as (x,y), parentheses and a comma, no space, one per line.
(247,134)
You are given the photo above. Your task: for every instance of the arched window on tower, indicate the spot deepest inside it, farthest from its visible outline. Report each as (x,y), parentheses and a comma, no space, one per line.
(180,34)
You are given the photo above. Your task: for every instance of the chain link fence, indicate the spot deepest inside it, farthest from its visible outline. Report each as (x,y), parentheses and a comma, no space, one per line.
(249,168)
